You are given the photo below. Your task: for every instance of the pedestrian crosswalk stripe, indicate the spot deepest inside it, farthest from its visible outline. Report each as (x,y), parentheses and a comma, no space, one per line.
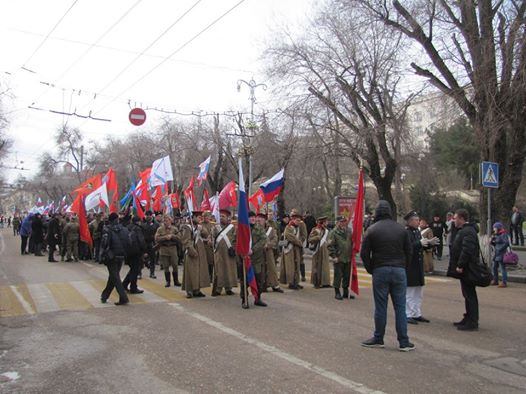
(90,293)
(23,297)
(42,297)
(67,297)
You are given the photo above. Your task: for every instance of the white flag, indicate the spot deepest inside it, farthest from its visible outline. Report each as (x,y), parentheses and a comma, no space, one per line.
(94,198)
(214,204)
(161,172)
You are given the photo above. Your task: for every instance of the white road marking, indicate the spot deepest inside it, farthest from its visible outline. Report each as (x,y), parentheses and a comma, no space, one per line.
(11,375)
(89,293)
(26,305)
(347,383)
(43,298)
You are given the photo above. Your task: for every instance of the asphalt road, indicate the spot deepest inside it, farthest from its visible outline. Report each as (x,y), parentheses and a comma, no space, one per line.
(57,338)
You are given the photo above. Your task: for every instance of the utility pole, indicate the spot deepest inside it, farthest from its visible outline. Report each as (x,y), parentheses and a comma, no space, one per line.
(247,148)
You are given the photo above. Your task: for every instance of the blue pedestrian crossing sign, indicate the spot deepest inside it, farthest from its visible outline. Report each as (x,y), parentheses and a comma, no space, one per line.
(490,174)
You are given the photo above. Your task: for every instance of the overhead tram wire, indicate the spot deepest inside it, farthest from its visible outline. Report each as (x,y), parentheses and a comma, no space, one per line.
(47,35)
(119,74)
(172,54)
(91,46)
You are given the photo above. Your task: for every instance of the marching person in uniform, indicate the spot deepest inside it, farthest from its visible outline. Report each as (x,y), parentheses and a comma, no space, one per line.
(339,246)
(259,241)
(195,273)
(167,237)
(291,254)
(209,242)
(321,271)
(269,268)
(225,260)
(303,235)
(72,235)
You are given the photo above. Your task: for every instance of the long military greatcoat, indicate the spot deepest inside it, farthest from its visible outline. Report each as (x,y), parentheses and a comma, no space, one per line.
(321,270)
(290,257)
(225,266)
(195,274)
(270,261)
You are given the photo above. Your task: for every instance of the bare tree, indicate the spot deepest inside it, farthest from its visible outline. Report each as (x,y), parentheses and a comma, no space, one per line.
(352,68)
(474,52)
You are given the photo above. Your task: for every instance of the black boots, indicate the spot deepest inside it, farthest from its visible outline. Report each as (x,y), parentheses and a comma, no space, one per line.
(176,277)
(167,278)
(346,294)
(337,294)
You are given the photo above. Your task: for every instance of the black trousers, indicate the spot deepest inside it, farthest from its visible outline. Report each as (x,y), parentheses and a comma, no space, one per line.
(114,280)
(51,248)
(517,234)
(23,245)
(134,262)
(439,248)
(151,257)
(472,303)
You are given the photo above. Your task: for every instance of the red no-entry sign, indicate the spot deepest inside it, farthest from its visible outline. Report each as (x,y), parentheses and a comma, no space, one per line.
(137,116)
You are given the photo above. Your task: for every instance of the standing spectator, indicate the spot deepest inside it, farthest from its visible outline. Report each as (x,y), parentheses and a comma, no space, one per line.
(339,246)
(427,233)
(516,227)
(439,229)
(149,228)
(320,269)
(53,236)
(386,252)
(114,244)
(16,225)
(310,221)
(450,230)
(25,233)
(465,252)
(501,242)
(96,235)
(72,235)
(167,237)
(37,234)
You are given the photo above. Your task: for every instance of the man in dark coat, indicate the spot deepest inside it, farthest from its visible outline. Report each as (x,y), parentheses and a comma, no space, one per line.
(415,269)
(37,234)
(439,228)
(134,256)
(149,228)
(465,252)
(385,253)
(53,236)
(114,245)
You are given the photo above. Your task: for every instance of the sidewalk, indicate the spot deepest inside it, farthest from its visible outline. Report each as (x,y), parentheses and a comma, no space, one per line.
(515,274)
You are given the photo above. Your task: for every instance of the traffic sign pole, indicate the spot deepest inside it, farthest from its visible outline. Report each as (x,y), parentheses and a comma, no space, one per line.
(488,228)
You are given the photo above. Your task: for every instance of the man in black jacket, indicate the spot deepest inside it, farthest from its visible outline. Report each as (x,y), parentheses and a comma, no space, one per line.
(149,228)
(385,252)
(134,256)
(464,253)
(115,242)
(53,236)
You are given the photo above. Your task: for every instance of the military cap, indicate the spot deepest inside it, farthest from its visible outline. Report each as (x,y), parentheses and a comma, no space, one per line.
(410,215)
(197,213)
(226,212)
(341,218)
(148,213)
(262,215)
(321,218)
(251,214)
(295,213)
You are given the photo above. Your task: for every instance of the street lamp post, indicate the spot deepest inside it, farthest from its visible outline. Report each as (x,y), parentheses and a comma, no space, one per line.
(252,85)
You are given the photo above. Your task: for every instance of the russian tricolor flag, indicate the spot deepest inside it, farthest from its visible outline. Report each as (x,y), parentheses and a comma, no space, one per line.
(244,239)
(273,186)
(203,171)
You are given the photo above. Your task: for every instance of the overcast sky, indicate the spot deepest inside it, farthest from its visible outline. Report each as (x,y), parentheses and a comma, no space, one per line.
(105,56)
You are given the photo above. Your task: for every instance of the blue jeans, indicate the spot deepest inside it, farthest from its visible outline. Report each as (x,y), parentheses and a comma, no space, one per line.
(393,281)
(496,271)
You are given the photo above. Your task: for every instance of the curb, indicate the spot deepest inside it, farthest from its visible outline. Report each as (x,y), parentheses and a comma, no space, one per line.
(511,278)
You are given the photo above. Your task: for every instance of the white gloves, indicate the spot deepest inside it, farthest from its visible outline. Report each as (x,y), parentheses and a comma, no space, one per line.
(429,242)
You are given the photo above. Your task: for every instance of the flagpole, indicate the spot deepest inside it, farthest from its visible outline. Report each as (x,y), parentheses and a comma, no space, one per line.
(244,304)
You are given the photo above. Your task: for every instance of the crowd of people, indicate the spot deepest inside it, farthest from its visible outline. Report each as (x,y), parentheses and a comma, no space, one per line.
(397,256)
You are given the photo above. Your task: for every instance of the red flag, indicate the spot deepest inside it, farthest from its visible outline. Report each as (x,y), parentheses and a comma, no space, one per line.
(79,208)
(357,230)
(190,196)
(89,185)
(205,204)
(157,199)
(257,199)
(137,208)
(174,198)
(228,196)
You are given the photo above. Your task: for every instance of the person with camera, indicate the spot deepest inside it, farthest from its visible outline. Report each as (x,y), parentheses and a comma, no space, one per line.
(225,263)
